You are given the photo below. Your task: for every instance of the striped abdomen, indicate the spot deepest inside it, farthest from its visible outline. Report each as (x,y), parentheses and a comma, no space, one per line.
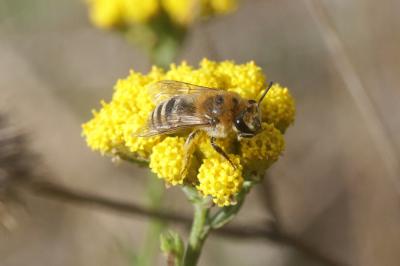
(172,113)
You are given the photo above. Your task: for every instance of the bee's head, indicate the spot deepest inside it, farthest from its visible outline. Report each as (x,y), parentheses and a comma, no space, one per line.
(248,122)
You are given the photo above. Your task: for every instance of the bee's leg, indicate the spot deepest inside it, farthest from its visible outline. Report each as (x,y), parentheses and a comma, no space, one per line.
(187,146)
(221,151)
(188,142)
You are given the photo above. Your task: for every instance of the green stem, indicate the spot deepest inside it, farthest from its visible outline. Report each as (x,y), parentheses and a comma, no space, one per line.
(198,234)
(202,223)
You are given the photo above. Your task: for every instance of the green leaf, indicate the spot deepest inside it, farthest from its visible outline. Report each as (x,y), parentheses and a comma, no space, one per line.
(172,245)
(226,214)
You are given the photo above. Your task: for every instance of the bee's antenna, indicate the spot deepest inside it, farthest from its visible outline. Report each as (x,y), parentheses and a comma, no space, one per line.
(265,92)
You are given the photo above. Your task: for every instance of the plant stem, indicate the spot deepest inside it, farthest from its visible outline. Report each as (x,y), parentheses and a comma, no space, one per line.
(198,234)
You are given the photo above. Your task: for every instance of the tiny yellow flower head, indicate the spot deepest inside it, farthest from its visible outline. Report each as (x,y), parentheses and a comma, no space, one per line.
(114,129)
(167,160)
(263,149)
(278,107)
(219,179)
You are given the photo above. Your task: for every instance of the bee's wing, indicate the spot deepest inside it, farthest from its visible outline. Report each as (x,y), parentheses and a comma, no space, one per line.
(176,123)
(165,89)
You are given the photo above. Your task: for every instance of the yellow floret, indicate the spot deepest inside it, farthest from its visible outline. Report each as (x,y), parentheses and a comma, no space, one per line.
(278,107)
(263,149)
(167,160)
(219,179)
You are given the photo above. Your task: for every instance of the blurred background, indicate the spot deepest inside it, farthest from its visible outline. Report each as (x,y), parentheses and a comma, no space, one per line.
(335,189)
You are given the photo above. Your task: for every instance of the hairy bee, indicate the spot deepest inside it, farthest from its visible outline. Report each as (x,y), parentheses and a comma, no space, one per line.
(181,105)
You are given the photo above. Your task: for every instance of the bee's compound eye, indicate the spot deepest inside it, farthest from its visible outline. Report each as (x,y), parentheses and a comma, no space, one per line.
(242,127)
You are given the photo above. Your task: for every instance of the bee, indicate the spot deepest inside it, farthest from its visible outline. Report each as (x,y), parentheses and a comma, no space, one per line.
(181,105)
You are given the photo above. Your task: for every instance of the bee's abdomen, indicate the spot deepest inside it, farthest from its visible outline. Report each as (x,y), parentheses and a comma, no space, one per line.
(167,113)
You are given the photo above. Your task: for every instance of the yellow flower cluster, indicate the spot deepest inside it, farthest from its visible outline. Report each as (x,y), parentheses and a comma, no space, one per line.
(111,13)
(112,129)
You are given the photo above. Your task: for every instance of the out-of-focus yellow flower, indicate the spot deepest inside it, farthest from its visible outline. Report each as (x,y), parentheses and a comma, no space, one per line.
(139,11)
(222,6)
(185,12)
(105,13)
(112,129)
(181,12)
(111,13)
(219,179)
